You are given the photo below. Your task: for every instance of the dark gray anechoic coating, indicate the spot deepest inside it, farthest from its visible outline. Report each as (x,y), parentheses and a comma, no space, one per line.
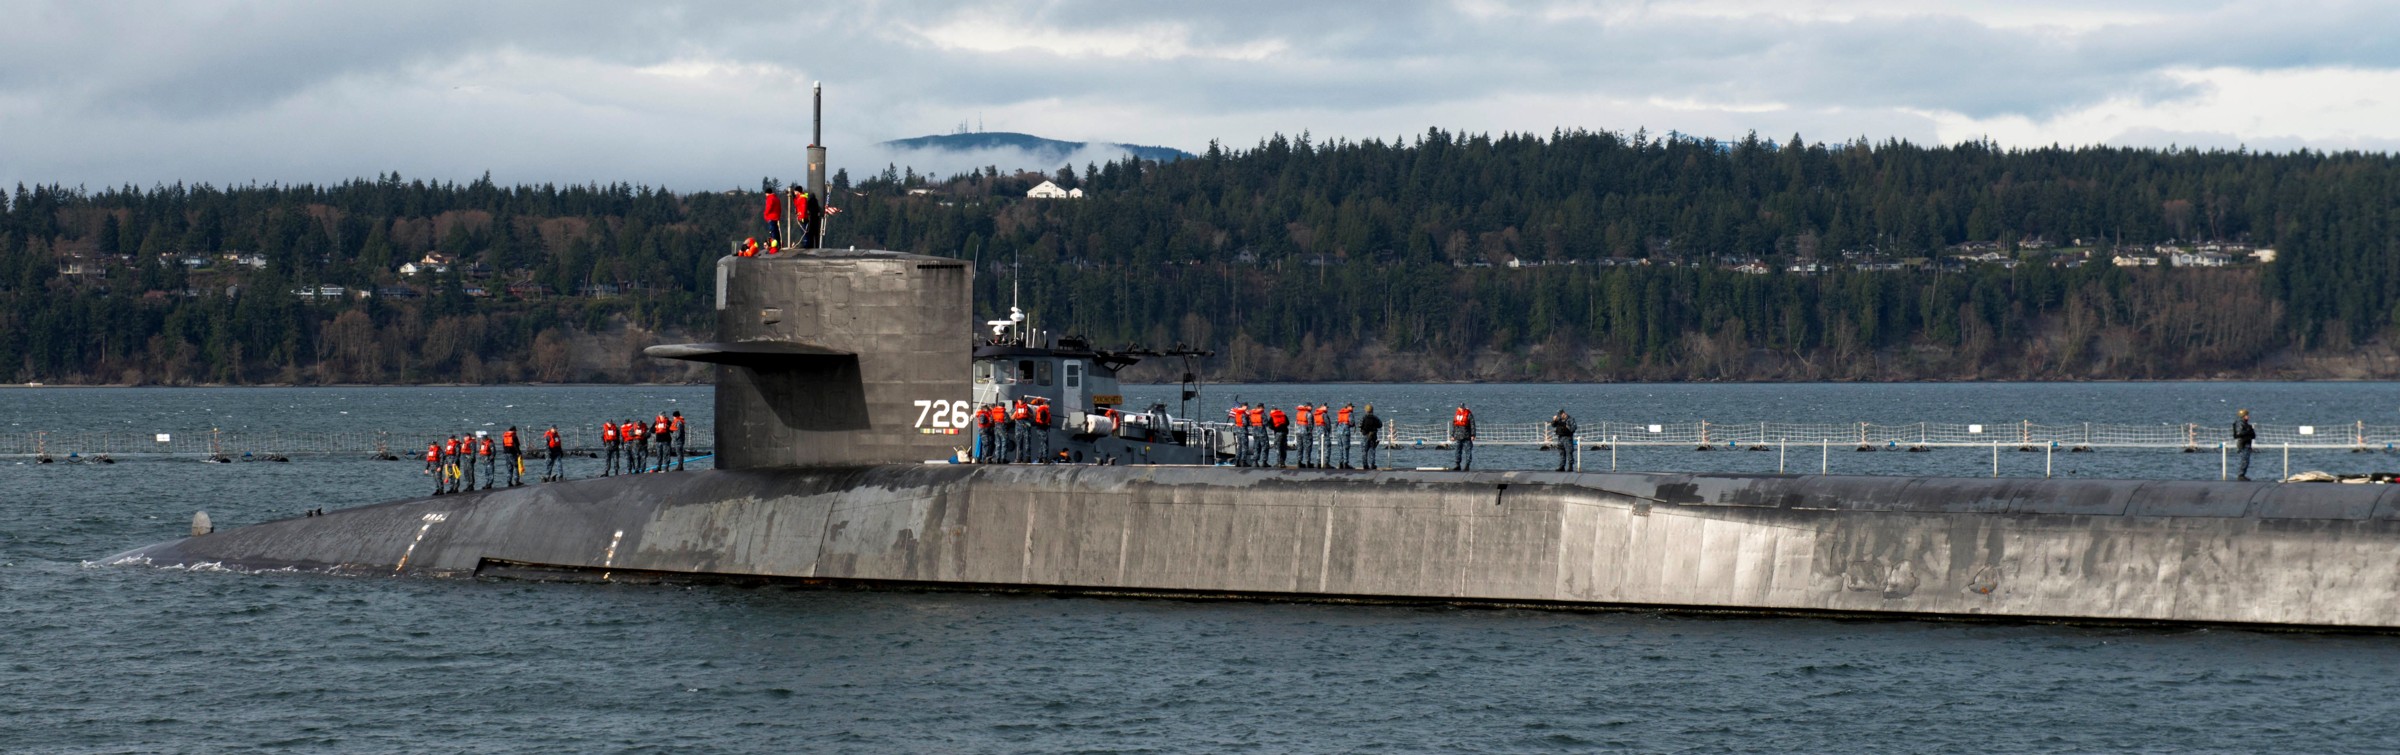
(2314,555)
(905,317)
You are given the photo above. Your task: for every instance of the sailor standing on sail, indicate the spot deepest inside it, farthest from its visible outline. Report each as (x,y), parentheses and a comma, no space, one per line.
(800,199)
(773,215)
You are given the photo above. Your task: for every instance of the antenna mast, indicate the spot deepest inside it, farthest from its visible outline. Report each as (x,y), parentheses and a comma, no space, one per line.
(1016,279)
(1016,317)
(814,233)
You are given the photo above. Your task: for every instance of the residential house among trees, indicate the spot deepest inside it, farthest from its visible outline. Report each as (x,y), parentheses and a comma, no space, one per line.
(1050,190)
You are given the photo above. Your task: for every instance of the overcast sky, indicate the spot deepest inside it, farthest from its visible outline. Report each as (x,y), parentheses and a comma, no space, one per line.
(715,95)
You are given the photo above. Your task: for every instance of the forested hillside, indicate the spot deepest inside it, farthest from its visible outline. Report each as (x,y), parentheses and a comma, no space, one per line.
(1570,256)
(1646,258)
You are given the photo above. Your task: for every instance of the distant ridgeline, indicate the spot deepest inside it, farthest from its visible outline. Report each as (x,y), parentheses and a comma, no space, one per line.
(1568,256)
(1037,151)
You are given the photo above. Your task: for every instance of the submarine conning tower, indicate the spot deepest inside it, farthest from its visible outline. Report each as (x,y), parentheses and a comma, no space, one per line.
(839,358)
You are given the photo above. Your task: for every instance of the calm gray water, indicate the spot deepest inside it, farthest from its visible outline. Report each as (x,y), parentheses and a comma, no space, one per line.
(101,659)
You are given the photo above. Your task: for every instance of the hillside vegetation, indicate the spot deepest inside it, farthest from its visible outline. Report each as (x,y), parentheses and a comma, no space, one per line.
(1569,256)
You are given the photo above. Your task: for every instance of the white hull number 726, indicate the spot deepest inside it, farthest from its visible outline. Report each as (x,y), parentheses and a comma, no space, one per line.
(943,414)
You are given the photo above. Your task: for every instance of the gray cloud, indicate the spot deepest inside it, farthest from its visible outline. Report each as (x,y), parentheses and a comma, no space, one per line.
(549,91)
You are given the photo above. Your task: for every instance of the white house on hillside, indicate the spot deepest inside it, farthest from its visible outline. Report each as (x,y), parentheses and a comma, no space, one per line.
(2200,259)
(1050,190)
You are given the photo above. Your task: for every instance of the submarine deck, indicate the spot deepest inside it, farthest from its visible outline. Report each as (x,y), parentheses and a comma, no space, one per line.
(2033,549)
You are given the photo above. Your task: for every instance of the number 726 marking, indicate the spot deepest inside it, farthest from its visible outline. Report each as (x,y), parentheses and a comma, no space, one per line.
(943,414)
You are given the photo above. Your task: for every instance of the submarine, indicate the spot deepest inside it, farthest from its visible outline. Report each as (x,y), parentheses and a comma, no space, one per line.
(845,382)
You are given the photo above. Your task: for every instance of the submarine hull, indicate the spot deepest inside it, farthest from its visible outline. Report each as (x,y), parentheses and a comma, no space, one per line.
(2075,550)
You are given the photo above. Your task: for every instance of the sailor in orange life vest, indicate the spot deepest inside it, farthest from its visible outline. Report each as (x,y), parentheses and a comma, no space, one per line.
(774,215)
(663,437)
(749,248)
(983,436)
(558,456)
(433,465)
(1020,418)
(491,461)
(450,463)
(1007,422)
(609,442)
(1282,425)
(1241,434)
(1258,435)
(469,465)
(682,448)
(800,200)
(1004,434)
(637,442)
(463,465)
(1462,433)
(516,457)
(1324,450)
(1042,424)
(656,454)
(1342,421)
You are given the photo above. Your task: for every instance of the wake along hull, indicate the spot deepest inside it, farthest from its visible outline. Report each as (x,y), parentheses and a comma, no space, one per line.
(2079,550)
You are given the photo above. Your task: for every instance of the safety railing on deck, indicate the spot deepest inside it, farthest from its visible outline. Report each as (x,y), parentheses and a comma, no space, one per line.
(2354,435)
(235,443)
(580,439)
